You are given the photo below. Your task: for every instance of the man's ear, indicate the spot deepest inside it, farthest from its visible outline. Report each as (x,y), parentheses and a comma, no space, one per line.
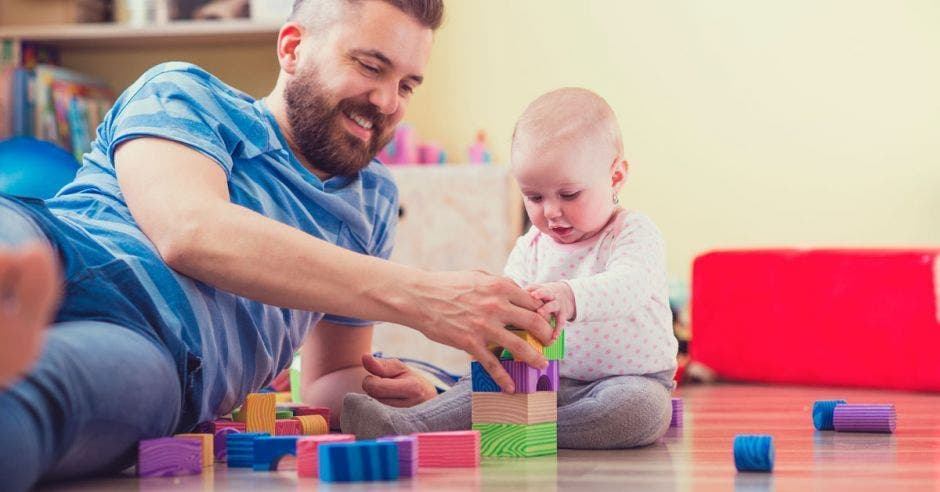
(288,46)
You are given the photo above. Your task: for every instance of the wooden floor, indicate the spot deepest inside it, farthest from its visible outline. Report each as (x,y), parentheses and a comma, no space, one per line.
(696,457)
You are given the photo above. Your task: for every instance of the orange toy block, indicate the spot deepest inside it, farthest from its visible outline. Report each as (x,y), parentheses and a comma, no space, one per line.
(259,412)
(313,425)
(206,440)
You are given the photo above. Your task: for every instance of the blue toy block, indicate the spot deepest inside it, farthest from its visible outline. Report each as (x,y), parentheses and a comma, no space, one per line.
(482,382)
(270,450)
(357,461)
(240,448)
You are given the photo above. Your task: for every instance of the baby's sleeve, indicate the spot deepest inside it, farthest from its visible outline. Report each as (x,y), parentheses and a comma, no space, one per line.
(519,265)
(634,275)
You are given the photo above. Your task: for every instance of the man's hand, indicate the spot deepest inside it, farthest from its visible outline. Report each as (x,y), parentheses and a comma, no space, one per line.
(393,383)
(469,310)
(558,299)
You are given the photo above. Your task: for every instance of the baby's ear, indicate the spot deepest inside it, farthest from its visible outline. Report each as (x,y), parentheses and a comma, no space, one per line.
(618,172)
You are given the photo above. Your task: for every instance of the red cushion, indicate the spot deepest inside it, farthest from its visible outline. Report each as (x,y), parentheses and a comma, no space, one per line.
(839,317)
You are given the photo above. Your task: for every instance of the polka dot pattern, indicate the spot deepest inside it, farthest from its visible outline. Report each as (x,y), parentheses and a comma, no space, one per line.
(623,324)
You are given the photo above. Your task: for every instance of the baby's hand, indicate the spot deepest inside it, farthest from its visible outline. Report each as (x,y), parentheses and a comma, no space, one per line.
(558,299)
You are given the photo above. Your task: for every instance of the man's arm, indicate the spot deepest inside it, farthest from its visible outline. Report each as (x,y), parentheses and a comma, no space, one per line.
(180,199)
(331,358)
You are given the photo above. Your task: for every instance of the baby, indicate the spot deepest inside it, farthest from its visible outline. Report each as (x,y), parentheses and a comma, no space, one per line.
(600,270)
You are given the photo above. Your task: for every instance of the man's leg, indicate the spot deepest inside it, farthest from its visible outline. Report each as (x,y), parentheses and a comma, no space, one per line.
(96,390)
(369,418)
(612,413)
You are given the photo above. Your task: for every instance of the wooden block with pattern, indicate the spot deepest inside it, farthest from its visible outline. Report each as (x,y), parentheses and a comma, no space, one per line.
(517,408)
(259,412)
(555,351)
(518,440)
(311,425)
(207,442)
(454,449)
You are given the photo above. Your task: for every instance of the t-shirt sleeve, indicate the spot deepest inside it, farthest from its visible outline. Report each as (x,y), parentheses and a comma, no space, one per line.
(635,273)
(180,105)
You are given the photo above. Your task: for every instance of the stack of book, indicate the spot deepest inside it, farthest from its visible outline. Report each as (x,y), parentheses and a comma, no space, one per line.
(40,99)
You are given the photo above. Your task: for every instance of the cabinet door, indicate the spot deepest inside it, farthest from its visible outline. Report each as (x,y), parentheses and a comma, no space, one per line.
(460,217)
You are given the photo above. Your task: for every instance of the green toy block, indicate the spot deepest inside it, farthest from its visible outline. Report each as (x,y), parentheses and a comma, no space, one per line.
(555,351)
(519,440)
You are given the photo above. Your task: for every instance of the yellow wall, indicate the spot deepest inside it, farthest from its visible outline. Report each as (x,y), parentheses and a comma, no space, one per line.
(747,123)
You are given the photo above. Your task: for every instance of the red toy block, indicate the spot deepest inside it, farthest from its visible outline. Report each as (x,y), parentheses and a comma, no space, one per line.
(455,449)
(866,318)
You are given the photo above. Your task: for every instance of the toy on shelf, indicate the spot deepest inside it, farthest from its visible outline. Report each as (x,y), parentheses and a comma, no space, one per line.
(406,148)
(478,153)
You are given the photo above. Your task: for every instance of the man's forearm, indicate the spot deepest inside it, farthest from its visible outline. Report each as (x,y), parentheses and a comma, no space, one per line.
(250,255)
(329,390)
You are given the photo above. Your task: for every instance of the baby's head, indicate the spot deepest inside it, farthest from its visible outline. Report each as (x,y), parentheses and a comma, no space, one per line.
(567,156)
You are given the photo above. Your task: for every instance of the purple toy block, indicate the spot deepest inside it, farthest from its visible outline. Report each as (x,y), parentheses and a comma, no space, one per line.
(169,457)
(407,454)
(529,379)
(219,442)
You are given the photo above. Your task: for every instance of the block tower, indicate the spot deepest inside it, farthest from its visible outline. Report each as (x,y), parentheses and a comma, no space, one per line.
(524,423)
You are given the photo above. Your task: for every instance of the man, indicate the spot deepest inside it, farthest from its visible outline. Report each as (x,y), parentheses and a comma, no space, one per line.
(207,232)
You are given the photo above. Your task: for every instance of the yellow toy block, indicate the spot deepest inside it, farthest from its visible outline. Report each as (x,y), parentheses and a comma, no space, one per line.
(207,440)
(311,425)
(259,410)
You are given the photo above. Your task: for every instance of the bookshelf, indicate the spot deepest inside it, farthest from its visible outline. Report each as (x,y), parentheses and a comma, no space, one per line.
(176,33)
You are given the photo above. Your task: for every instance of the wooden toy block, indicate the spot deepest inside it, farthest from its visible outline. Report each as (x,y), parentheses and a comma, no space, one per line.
(239,415)
(268,451)
(303,410)
(283,414)
(215,425)
(219,442)
(457,449)
(284,397)
(521,440)
(169,457)
(517,408)
(259,412)
(481,380)
(287,427)
(206,441)
(358,461)
(307,451)
(311,425)
(407,454)
(555,351)
(240,448)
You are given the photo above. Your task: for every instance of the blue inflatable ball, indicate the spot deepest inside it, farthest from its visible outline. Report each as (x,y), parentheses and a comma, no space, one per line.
(34,168)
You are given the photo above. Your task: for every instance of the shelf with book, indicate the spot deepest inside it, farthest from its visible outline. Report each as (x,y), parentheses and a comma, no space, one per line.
(110,35)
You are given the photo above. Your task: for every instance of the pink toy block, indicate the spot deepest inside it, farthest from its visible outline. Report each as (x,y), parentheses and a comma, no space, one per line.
(307,451)
(287,427)
(457,449)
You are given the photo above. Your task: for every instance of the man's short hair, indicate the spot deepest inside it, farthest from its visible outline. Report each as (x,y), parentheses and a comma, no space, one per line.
(429,13)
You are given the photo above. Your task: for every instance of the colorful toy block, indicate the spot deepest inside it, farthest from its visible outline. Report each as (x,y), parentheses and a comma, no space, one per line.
(215,425)
(481,380)
(259,412)
(268,451)
(169,457)
(522,440)
(220,441)
(307,463)
(676,420)
(284,397)
(206,441)
(287,427)
(753,453)
(407,454)
(357,461)
(864,418)
(518,408)
(456,449)
(311,425)
(303,410)
(283,414)
(240,448)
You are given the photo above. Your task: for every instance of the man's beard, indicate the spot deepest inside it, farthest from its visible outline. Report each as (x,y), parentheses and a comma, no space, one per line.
(319,134)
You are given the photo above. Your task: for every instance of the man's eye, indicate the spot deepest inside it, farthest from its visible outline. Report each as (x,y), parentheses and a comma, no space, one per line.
(369,68)
(407,89)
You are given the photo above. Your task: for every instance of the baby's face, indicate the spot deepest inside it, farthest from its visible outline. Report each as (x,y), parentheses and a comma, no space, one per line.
(568,190)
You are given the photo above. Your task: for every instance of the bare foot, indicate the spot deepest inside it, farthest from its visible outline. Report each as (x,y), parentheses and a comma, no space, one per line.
(29,293)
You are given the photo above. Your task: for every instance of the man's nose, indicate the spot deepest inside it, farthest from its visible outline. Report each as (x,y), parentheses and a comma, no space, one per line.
(385,97)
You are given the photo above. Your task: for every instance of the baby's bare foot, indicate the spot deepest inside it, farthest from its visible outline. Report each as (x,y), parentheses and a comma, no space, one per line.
(29,294)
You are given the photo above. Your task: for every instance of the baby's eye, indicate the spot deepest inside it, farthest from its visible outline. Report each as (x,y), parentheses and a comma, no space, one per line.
(534,198)
(570,196)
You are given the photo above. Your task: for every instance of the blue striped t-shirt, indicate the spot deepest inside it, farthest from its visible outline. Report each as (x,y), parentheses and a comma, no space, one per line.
(225,346)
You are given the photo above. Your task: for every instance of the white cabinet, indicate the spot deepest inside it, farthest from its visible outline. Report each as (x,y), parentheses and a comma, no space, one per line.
(454,217)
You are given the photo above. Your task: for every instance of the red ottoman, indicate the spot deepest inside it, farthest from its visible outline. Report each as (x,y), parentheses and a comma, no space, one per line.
(833,317)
